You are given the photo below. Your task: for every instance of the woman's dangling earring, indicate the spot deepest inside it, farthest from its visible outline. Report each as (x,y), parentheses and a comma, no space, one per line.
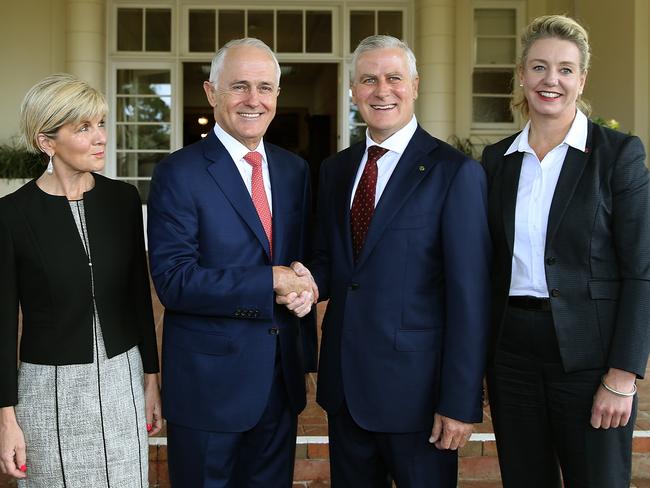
(50,166)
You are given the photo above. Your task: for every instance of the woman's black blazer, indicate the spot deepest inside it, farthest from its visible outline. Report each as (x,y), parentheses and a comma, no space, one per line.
(44,269)
(597,252)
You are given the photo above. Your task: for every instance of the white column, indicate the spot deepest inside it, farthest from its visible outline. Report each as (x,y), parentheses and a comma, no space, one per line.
(434,47)
(85,40)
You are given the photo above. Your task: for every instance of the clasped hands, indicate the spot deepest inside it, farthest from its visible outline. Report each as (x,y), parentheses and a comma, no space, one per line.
(295,288)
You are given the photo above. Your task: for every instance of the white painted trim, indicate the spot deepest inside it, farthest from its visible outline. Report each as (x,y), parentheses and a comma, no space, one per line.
(323,439)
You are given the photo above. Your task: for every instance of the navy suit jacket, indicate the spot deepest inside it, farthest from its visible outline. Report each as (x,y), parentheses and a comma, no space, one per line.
(405,332)
(211,267)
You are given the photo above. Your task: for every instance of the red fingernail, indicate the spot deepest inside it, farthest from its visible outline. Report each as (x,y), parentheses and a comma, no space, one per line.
(149,427)
(23,468)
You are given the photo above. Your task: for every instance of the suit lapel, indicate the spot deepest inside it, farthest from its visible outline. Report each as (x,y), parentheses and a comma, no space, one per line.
(225,174)
(572,169)
(411,169)
(510,182)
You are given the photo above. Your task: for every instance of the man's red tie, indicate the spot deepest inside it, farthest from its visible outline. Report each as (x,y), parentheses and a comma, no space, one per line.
(258,195)
(363,205)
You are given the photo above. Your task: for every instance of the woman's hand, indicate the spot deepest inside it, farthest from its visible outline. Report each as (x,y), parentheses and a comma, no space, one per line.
(609,409)
(12,445)
(152,405)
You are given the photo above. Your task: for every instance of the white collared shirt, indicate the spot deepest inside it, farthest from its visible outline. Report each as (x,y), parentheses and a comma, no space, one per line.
(537,182)
(396,144)
(237,152)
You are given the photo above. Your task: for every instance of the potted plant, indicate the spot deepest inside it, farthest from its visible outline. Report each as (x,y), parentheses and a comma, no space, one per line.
(18,166)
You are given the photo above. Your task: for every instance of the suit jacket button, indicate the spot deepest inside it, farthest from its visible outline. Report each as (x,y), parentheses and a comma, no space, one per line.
(550,261)
(274,331)
(555,292)
(354,286)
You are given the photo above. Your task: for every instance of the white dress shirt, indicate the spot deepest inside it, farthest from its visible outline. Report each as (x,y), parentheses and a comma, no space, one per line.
(537,182)
(237,152)
(396,144)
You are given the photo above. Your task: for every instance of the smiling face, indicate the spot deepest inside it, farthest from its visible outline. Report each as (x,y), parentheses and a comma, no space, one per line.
(77,147)
(245,96)
(384,91)
(552,79)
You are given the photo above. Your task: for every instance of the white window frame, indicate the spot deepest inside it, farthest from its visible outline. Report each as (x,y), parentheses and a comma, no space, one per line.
(176,104)
(112,25)
(465,56)
(185,48)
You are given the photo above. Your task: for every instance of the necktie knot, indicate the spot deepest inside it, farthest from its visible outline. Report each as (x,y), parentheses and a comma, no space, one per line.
(253,158)
(376,152)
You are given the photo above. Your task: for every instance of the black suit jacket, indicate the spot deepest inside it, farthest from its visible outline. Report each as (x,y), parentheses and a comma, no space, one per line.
(45,270)
(597,255)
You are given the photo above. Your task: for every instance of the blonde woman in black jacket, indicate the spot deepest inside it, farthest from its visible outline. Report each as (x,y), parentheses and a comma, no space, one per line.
(569,215)
(77,410)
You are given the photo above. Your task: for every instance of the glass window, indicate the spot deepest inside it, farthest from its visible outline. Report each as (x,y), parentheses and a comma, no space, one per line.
(319,32)
(143,124)
(202,31)
(390,22)
(362,25)
(158,30)
(136,26)
(260,25)
(495,22)
(231,25)
(495,53)
(289,31)
(129,29)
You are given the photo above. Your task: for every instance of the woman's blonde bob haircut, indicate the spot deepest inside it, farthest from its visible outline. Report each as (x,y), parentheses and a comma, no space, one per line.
(55,101)
(557,27)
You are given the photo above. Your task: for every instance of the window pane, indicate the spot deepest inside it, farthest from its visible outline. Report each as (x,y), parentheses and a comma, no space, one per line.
(144,136)
(129,29)
(158,30)
(492,109)
(492,81)
(495,51)
(231,25)
(144,82)
(389,22)
(494,22)
(362,25)
(137,164)
(319,32)
(357,133)
(202,30)
(260,25)
(289,31)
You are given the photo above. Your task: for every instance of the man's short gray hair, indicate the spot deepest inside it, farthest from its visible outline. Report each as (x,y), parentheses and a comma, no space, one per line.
(217,60)
(384,42)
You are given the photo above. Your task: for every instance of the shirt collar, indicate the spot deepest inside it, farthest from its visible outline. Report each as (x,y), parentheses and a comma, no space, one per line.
(398,141)
(576,137)
(235,148)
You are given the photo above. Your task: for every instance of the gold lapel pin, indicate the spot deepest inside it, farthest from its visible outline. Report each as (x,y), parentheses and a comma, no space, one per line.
(422,167)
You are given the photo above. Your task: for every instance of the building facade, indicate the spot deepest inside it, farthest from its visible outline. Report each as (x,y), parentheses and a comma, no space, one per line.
(151,57)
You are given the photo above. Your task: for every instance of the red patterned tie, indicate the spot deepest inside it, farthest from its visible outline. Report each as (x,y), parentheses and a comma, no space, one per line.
(363,205)
(259,195)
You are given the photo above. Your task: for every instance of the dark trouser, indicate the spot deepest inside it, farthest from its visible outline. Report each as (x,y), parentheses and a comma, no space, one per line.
(262,457)
(541,414)
(364,459)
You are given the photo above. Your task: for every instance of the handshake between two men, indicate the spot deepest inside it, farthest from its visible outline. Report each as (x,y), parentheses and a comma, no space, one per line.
(295,287)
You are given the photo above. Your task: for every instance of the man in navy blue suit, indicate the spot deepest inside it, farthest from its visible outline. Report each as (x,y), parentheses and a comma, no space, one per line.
(402,253)
(227,216)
